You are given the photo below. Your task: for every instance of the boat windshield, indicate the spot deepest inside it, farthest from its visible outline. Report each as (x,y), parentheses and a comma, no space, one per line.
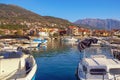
(115,71)
(97,71)
(6,55)
(98,51)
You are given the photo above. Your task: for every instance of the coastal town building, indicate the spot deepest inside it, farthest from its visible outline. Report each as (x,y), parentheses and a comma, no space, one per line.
(116,32)
(103,33)
(73,30)
(84,32)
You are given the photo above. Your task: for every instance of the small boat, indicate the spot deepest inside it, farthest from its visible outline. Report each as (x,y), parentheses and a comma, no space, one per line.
(113,45)
(16,64)
(97,67)
(39,40)
(70,39)
(35,43)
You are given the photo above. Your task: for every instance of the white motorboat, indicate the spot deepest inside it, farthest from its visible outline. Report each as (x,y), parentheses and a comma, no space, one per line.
(35,43)
(115,45)
(17,64)
(99,67)
(70,39)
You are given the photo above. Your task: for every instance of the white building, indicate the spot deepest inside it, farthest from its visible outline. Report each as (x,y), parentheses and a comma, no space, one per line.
(44,34)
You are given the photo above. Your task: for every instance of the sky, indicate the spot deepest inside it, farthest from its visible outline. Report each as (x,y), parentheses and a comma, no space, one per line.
(71,10)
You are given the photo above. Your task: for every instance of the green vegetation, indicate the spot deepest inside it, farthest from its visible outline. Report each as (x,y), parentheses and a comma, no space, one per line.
(55,34)
(13,27)
(11,14)
(19,33)
(1,32)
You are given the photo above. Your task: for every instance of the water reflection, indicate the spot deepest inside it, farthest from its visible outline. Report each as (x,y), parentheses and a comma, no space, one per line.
(59,60)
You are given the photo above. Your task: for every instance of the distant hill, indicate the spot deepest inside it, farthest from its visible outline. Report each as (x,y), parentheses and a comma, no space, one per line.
(99,23)
(14,15)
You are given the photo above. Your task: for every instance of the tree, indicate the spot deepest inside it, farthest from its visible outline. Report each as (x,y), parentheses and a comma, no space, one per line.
(2,33)
(55,35)
(19,33)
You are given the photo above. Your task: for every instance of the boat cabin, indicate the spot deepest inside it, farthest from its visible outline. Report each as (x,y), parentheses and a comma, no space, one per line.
(98,67)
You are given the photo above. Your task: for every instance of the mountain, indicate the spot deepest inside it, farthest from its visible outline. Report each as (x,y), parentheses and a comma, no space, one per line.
(12,15)
(99,23)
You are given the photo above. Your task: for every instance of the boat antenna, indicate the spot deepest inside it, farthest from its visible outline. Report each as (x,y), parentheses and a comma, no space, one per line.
(30,45)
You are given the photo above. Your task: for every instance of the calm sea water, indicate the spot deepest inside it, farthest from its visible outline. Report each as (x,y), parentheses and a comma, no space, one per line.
(59,61)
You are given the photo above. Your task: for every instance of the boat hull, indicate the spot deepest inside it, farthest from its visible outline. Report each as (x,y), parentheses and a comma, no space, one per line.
(31,75)
(33,78)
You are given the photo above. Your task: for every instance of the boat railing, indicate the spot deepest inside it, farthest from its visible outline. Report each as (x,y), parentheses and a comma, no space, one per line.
(103,74)
(25,72)
(17,75)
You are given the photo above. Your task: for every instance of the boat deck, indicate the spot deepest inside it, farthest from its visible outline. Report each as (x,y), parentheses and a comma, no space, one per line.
(12,66)
(101,61)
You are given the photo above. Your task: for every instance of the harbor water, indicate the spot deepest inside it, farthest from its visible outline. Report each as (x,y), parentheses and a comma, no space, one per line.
(59,61)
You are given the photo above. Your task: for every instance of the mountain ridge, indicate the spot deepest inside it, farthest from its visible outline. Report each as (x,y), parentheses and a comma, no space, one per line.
(13,14)
(99,23)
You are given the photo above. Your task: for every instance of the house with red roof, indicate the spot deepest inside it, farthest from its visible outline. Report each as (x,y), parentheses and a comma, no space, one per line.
(73,30)
(84,32)
(103,33)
